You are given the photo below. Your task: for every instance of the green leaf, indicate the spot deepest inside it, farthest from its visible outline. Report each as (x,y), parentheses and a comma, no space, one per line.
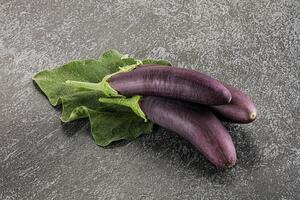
(75,106)
(130,102)
(112,60)
(71,105)
(109,122)
(107,127)
(53,82)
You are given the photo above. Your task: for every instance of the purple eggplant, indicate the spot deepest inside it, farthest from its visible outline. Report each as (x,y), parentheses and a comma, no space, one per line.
(241,109)
(178,83)
(196,124)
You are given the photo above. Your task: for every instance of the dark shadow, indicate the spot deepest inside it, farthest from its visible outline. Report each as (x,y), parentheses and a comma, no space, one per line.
(247,150)
(176,148)
(181,152)
(116,144)
(121,143)
(71,128)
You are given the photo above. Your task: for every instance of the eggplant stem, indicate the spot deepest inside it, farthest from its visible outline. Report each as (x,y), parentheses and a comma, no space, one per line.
(85,85)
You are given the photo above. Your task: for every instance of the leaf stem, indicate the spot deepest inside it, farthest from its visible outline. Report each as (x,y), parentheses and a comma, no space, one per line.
(85,85)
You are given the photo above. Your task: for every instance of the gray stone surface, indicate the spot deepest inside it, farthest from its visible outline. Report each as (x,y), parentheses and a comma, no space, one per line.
(251,44)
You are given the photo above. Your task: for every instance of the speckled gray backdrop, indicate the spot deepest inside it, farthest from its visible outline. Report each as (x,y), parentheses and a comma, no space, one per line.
(251,44)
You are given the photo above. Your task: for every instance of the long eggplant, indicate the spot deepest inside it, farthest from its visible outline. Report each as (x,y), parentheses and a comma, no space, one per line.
(196,124)
(178,83)
(241,109)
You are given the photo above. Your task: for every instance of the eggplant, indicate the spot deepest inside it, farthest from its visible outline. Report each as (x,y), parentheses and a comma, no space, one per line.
(241,109)
(196,124)
(178,83)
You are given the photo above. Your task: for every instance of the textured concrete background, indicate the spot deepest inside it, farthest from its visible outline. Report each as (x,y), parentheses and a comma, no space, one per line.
(251,44)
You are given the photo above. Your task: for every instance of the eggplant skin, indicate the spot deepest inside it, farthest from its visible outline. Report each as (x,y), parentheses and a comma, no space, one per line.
(241,109)
(173,82)
(196,124)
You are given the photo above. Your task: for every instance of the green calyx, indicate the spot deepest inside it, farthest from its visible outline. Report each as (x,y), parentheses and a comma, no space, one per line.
(107,89)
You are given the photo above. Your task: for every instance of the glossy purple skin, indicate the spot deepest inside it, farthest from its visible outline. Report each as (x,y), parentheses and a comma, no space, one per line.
(241,109)
(198,125)
(178,83)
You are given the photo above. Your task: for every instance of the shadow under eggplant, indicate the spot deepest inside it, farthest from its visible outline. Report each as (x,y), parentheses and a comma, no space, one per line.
(167,142)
